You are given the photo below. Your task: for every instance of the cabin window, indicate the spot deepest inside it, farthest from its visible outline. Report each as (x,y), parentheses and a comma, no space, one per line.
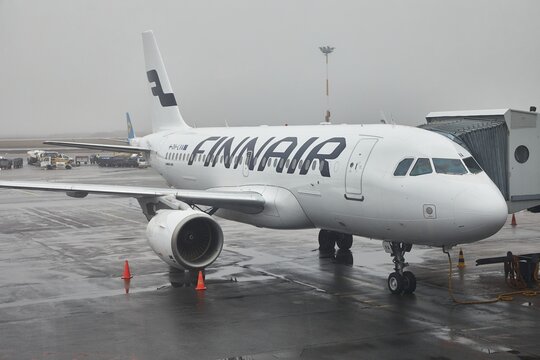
(472,165)
(287,163)
(300,163)
(449,166)
(281,163)
(293,163)
(263,162)
(204,158)
(314,165)
(221,159)
(306,164)
(422,167)
(403,167)
(275,162)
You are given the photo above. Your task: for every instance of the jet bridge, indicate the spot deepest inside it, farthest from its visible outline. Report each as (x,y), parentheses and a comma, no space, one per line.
(505,142)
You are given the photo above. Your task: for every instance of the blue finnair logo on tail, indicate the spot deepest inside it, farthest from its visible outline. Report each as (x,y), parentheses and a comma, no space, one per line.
(131,132)
(165,99)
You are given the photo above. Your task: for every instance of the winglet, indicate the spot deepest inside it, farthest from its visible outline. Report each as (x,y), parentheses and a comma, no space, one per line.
(165,112)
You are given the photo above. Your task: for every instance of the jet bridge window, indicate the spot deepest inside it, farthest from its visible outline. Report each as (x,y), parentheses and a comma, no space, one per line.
(449,166)
(403,167)
(472,165)
(422,167)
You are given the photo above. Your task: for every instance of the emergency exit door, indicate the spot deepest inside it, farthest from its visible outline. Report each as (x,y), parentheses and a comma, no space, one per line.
(355,168)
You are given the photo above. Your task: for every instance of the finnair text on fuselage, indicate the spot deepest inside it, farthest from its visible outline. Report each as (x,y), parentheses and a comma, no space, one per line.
(228,151)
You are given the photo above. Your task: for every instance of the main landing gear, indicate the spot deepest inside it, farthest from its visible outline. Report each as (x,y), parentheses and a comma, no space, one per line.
(329,239)
(400,281)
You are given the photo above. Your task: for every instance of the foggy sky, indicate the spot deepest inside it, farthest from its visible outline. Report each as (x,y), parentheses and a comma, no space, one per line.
(77,66)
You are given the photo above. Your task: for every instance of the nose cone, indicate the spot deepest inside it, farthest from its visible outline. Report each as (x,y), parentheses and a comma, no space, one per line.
(480,211)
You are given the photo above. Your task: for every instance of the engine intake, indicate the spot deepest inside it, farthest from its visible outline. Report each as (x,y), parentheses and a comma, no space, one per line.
(185,239)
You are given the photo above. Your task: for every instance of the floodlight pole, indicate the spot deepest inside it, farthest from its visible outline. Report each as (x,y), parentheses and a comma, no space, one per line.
(327,50)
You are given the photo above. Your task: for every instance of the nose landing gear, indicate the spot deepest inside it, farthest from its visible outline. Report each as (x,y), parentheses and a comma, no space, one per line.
(400,281)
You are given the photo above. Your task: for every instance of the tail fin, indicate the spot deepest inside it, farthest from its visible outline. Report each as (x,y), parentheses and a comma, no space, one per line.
(165,113)
(131,131)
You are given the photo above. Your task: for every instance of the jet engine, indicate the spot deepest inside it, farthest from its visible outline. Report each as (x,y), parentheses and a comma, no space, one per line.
(185,239)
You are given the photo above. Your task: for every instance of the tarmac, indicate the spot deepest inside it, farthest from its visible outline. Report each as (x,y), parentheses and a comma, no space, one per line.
(269,295)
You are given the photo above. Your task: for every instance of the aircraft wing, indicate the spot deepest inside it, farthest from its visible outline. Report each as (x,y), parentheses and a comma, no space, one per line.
(245,201)
(117,148)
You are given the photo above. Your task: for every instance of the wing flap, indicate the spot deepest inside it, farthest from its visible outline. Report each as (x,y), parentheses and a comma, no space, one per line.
(245,201)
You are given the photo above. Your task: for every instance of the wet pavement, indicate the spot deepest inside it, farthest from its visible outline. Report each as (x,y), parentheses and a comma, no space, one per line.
(269,294)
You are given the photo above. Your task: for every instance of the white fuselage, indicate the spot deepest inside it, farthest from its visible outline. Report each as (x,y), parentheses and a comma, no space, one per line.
(335,177)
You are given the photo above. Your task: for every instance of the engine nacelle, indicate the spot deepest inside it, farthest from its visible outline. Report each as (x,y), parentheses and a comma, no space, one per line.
(185,239)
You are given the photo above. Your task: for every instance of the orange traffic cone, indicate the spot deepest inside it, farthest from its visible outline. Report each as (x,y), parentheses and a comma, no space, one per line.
(514,223)
(200,282)
(127,273)
(461,262)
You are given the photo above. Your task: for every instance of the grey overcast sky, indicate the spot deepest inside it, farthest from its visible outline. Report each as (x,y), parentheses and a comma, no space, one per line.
(76,66)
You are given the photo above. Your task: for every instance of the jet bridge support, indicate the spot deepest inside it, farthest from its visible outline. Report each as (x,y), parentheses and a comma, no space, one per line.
(505,142)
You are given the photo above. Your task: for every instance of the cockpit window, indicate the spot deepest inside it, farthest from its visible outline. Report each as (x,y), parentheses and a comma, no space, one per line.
(403,167)
(449,166)
(422,167)
(472,165)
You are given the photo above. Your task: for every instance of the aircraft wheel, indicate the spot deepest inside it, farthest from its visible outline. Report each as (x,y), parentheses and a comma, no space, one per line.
(409,282)
(344,241)
(326,241)
(395,283)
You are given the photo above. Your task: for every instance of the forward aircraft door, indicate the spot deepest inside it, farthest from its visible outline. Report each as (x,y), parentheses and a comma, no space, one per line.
(355,168)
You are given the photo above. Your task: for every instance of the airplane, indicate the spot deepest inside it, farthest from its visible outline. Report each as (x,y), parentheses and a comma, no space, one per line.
(401,185)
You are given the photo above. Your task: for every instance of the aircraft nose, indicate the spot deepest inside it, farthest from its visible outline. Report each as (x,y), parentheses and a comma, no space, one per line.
(480,211)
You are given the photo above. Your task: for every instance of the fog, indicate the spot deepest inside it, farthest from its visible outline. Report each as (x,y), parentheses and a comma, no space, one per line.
(75,67)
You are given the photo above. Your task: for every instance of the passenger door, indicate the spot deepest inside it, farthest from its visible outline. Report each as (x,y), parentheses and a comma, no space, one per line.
(355,168)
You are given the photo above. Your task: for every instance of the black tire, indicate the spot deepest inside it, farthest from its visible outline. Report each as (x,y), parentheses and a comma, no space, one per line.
(395,283)
(327,242)
(344,241)
(409,282)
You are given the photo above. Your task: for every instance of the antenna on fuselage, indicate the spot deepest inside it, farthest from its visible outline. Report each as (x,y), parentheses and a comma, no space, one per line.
(384,119)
